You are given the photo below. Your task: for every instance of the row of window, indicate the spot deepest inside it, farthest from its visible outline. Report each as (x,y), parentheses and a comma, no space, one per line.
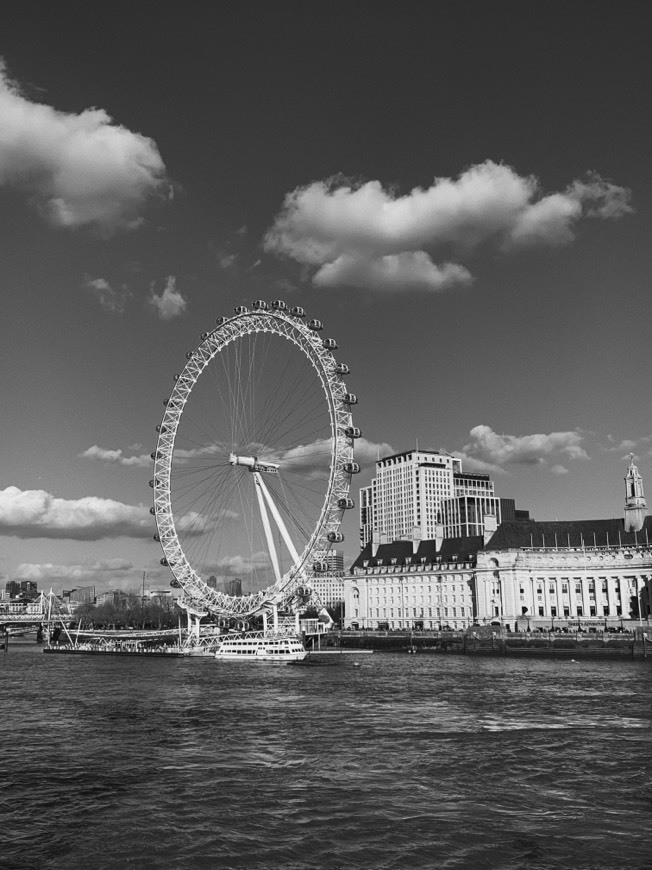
(416,612)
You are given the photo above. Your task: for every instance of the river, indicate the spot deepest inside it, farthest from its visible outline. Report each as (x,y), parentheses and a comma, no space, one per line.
(373,761)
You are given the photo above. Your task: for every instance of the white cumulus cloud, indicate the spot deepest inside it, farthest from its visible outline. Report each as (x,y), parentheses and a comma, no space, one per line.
(116,457)
(170,302)
(489,451)
(111,298)
(38,514)
(80,169)
(366,235)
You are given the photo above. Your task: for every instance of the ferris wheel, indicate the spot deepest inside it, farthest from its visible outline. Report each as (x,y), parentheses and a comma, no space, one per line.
(253,463)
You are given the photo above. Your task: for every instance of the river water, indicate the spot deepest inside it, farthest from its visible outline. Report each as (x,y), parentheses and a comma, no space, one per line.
(375,761)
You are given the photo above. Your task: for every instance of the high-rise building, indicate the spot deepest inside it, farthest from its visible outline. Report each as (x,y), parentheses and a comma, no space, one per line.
(463,516)
(406,494)
(425,494)
(233,586)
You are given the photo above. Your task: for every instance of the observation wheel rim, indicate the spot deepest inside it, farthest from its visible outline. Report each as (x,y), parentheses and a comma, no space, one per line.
(321,359)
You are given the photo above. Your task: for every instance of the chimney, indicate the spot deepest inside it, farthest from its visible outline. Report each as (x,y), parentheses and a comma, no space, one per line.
(490,524)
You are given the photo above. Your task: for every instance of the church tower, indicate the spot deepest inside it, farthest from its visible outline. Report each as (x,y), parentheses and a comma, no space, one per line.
(635,504)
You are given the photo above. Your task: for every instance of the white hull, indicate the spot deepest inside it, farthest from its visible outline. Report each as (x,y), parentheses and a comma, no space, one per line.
(281,650)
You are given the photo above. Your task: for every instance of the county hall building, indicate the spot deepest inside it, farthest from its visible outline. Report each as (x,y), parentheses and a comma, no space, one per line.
(519,573)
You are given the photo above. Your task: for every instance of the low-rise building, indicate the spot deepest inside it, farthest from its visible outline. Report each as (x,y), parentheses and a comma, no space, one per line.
(413,585)
(565,574)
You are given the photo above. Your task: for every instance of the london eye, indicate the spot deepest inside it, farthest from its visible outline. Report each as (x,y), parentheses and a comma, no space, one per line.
(253,463)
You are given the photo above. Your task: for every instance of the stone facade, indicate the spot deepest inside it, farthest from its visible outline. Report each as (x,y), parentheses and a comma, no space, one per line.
(567,587)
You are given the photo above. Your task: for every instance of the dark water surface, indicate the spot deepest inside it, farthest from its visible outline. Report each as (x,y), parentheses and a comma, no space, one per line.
(426,761)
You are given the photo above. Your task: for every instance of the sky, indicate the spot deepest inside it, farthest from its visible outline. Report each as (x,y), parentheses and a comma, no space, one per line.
(459,191)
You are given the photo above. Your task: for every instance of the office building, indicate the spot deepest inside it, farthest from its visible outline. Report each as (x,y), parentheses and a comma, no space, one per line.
(415,492)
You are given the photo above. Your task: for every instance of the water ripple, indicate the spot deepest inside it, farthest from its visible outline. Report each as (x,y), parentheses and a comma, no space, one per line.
(401,764)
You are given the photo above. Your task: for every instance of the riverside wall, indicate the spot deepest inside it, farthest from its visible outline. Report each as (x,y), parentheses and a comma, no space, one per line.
(635,645)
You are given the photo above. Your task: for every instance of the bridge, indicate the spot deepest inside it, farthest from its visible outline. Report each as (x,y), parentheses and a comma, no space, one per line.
(45,611)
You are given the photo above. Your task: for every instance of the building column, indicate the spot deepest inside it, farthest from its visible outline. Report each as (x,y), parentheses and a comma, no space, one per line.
(586,606)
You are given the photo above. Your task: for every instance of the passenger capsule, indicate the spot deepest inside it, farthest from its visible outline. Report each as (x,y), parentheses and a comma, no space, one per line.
(161,429)
(315,325)
(351,468)
(352,432)
(174,583)
(220,320)
(240,309)
(342,369)
(165,563)
(175,378)
(259,305)
(154,454)
(279,305)
(335,537)
(190,354)
(345,504)
(204,336)
(157,538)
(350,398)
(152,511)
(297,311)
(329,344)
(320,567)
(151,483)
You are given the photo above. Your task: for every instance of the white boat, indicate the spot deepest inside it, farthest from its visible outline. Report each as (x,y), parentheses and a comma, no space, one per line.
(281,649)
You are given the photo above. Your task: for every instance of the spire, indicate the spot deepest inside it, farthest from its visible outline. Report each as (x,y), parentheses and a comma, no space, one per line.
(635,504)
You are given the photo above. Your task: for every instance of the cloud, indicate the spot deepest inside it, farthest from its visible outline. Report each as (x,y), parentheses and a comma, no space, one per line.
(488,451)
(86,572)
(115,457)
(170,303)
(37,514)
(79,169)
(367,452)
(624,446)
(110,298)
(235,566)
(365,235)
(410,270)
(314,458)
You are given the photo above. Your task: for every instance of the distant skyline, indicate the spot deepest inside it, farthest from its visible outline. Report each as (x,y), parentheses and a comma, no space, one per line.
(461,194)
